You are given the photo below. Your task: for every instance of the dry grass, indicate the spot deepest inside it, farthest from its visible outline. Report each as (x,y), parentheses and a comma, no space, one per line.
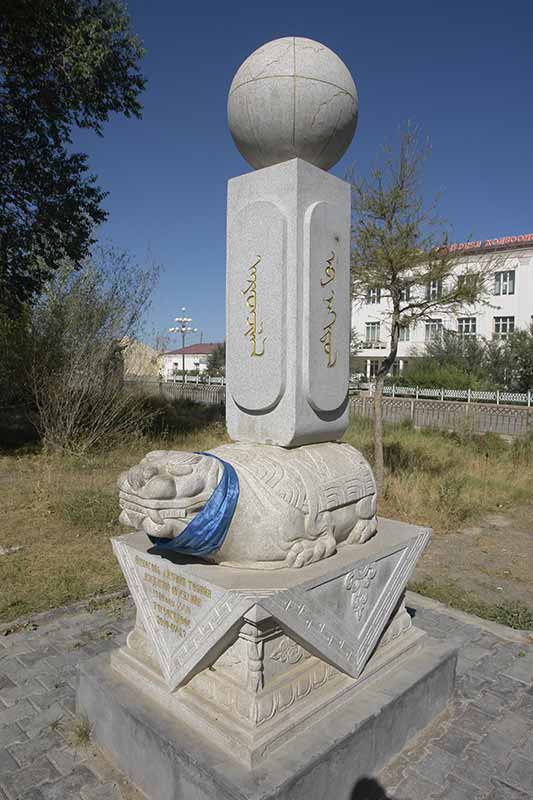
(448,480)
(80,734)
(63,510)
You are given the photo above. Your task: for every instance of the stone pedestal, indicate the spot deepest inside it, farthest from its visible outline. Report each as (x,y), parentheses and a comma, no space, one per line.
(172,758)
(245,683)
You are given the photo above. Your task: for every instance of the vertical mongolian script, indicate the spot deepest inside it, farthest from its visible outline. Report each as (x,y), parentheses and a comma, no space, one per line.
(331,314)
(254,329)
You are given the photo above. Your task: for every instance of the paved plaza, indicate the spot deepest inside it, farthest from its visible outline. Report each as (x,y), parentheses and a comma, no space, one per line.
(480,748)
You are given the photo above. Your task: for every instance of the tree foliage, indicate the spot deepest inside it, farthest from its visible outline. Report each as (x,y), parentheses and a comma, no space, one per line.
(455,362)
(449,361)
(401,247)
(63,63)
(75,369)
(216,361)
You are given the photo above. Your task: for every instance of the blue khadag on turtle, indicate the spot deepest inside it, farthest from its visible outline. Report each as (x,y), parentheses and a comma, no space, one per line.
(207,530)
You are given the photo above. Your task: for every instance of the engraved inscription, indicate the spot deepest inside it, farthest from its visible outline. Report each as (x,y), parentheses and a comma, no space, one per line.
(253,328)
(326,300)
(329,302)
(256,310)
(174,597)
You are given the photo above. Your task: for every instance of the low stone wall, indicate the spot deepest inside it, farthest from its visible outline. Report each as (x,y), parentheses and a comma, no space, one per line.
(451,415)
(209,394)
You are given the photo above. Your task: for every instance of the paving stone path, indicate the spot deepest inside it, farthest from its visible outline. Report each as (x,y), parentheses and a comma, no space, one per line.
(480,748)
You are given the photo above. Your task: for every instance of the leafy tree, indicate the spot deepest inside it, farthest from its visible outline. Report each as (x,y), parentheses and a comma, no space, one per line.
(511,362)
(464,352)
(79,327)
(429,374)
(449,361)
(63,63)
(400,247)
(454,362)
(216,360)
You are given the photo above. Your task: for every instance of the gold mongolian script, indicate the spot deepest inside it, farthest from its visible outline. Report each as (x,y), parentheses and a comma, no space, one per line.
(174,596)
(329,301)
(253,328)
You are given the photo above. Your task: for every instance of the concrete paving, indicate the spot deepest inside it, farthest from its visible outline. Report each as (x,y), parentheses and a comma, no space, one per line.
(480,748)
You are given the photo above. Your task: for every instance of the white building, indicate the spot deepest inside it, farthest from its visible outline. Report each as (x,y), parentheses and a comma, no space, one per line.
(510,307)
(194,356)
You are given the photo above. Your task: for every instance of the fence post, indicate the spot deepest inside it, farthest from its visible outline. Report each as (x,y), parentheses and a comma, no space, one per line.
(416,393)
(497,397)
(468,395)
(209,380)
(529,398)
(394,390)
(442,394)
(412,411)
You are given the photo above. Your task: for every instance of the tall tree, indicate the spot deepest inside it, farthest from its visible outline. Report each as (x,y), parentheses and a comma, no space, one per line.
(63,63)
(400,248)
(216,360)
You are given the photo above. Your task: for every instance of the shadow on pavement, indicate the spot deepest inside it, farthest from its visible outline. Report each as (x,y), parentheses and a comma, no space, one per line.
(369,789)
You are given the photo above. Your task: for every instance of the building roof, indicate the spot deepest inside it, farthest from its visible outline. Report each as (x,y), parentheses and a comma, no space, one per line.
(198,349)
(503,243)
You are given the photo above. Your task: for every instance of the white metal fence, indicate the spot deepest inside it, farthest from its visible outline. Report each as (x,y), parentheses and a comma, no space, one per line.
(203,380)
(211,394)
(465,395)
(423,412)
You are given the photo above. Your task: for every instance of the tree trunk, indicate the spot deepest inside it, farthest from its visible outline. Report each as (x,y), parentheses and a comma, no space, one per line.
(379,468)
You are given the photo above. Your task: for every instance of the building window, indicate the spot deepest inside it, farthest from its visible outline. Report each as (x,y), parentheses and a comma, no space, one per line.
(434,290)
(433,329)
(405,294)
(466,326)
(503,326)
(372,332)
(373,371)
(504,282)
(373,296)
(405,332)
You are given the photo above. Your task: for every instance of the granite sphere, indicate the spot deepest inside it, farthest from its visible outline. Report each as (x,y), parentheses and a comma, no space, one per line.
(292,98)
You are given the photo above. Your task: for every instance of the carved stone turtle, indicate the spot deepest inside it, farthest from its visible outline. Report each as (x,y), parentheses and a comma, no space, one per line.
(295,506)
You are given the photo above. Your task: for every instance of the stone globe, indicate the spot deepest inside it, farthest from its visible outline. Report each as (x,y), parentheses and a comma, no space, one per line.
(292,98)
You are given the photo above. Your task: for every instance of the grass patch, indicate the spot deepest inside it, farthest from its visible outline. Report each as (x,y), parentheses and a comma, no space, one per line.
(88,509)
(446,480)
(513,614)
(80,734)
(62,510)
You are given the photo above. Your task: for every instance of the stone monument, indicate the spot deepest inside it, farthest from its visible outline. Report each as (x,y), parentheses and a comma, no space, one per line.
(273,656)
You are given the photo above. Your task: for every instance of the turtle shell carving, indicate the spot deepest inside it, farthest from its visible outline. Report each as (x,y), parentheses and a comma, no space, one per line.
(295,506)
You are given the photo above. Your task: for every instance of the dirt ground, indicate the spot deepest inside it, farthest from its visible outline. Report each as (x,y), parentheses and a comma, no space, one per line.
(493,559)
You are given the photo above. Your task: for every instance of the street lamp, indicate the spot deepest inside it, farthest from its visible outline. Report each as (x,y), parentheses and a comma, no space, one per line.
(183,328)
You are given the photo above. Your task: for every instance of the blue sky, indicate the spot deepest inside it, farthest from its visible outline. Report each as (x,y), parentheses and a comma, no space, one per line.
(463,71)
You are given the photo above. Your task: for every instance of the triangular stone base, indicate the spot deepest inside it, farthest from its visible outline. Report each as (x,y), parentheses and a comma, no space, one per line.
(252,658)
(265,689)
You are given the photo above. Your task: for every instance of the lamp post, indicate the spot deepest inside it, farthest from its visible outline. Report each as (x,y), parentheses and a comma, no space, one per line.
(184,328)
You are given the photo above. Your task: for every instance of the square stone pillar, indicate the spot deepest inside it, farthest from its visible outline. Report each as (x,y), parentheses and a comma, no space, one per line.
(288,305)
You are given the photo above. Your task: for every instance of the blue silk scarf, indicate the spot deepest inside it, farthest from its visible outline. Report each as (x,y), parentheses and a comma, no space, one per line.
(207,530)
